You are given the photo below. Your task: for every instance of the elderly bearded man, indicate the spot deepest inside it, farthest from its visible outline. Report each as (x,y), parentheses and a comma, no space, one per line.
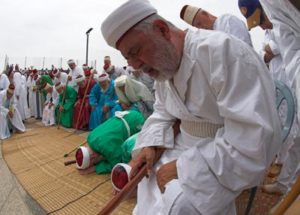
(221,91)
(66,106)
(82,107)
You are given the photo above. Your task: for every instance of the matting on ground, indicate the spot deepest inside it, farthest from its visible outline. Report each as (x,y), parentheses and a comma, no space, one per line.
(36,159)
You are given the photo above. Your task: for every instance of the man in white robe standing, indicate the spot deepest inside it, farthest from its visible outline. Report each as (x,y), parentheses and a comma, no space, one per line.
(4,81)
(283,18)
(9,115)
(49,105)
(113,71)
(227,23)
(75,71)
(221,91)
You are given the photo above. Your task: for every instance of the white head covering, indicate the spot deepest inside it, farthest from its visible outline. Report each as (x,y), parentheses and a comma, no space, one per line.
(55,72)
(59,85)
(71,61)
(117,178)
(103,77)
(85,162)
(107,58)
(124,18)
(79,78)
(188,13)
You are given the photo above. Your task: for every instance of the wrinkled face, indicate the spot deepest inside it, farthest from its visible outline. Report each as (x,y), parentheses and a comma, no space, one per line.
(72,66)
(60,90)
(104,84)
(151,53)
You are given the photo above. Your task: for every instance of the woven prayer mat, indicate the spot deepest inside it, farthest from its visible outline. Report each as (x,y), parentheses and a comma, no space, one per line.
(36,159)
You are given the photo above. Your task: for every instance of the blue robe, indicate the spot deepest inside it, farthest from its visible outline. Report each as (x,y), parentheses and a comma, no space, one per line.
(99,99)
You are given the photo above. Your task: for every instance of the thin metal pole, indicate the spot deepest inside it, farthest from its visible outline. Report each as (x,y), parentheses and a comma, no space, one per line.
(87,49)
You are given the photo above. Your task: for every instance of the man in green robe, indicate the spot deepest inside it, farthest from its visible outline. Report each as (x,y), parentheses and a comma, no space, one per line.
(64,109)
(104,148)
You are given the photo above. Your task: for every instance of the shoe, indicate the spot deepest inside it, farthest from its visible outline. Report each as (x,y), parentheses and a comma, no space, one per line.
(274,188)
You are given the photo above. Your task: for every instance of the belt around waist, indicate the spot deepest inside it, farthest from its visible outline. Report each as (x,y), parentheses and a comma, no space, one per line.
(200,129)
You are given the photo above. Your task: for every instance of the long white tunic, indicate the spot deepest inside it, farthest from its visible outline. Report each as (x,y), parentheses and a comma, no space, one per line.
(23,97)
(232,25)
(17,79)
(74,73)
(221,81)
(49,112)
(4,82)
(16,120)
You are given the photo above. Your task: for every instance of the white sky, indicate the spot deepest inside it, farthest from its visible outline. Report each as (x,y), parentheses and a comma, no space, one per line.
(56,28)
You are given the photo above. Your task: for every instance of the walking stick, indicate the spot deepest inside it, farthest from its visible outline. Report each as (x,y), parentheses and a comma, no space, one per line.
(81,144)
(63,101)
(126,191)
(81,106)
(289,199)
(67,163)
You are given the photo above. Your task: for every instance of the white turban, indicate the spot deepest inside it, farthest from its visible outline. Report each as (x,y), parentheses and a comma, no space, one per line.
(124,18)
(188,13)
(103,77)
(79,78)
(71,61)
(59,85)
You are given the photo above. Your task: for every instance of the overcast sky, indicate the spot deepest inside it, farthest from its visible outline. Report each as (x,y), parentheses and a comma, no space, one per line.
(56,28)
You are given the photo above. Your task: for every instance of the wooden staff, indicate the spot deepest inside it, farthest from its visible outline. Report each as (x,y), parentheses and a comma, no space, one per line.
(67,163)
(81,106)
(289,199)
(81,144)
(63,101)
(125,192)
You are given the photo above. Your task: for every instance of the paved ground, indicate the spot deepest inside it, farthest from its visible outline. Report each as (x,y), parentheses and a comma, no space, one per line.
(13,199)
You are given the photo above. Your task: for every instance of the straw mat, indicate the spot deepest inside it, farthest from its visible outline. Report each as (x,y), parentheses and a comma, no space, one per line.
(36,159)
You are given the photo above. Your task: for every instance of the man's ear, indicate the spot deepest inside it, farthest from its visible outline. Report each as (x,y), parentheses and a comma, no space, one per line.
(162,28)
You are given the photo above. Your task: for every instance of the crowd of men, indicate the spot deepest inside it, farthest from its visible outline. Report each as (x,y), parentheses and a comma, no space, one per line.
(212,127)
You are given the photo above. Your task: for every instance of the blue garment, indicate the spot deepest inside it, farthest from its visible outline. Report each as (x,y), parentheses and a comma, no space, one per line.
(99,99)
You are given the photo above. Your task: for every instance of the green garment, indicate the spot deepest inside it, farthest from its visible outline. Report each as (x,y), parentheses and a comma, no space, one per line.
(66,116)
(127,148)
(107,139)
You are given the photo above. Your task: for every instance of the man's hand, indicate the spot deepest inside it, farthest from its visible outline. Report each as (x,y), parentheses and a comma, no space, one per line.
(149,156)
(166,173)
(269,54)
(10,114)
(69,78)
(61,108)
(105,109)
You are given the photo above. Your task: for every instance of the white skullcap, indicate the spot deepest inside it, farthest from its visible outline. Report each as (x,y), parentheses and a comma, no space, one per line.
(71,61)
(47,86)
(55,72)
(188,13)
(107,58)
(84,66)
(103,77)
(124,18)
(59,85)
(118,178)
(79,78)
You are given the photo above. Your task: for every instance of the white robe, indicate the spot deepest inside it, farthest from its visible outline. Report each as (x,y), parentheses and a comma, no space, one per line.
(17,79)
(4,82)
(62,78)
(221,81)
(74,73)
(31,104)
(49,112)
(232,25)
(23,97)
(16,121)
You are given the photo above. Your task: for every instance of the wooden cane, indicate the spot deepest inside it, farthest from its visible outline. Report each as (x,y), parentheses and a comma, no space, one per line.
(63,101)
(125,192)
(81,106)
(289,199)
(81,144)
(67,163)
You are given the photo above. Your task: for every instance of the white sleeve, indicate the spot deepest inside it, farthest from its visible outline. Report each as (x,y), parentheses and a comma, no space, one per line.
(238,29)
(214,172)
(157,130)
